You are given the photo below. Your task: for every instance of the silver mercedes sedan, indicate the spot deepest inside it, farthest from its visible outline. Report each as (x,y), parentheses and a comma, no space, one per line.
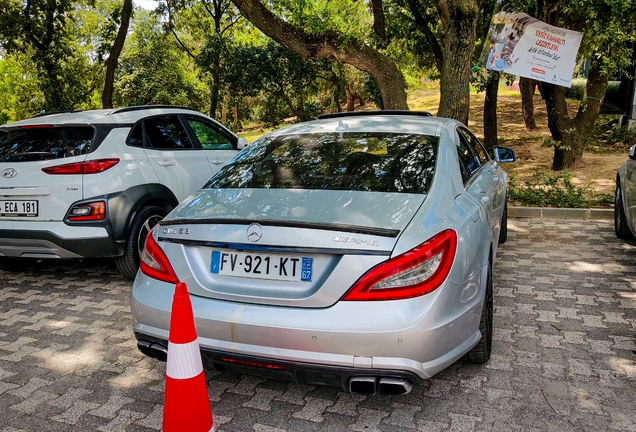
(355,250)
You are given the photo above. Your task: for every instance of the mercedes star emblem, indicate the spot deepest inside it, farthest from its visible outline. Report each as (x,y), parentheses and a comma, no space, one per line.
(254,232)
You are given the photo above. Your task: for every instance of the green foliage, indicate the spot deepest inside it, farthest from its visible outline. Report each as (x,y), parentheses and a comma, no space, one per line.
(281,77)
(555,190)
(608,136)
(577,90)
(154,71)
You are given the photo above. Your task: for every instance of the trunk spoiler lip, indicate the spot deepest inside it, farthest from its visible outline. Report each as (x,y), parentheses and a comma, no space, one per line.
(354,229)
(279,249)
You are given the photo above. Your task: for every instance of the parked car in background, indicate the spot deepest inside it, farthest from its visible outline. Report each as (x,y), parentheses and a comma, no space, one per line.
(93,183)
(625,198)
(355,250)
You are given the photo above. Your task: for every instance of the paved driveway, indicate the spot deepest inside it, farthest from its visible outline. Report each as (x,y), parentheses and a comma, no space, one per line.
(563,359)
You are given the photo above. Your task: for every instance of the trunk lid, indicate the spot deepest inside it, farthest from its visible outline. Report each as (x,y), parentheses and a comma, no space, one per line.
(302,248)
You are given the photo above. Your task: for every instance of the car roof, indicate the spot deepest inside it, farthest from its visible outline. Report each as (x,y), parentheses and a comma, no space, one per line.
(127,115)
(375,121)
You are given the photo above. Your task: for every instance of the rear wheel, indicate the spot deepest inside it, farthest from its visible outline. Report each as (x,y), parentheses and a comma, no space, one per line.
(481,352)
(503,231)
(620,219)
(145,219)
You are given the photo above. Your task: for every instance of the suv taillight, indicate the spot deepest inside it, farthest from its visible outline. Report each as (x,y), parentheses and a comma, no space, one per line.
(154,262)
(88,211)
(416,272)
(86,167)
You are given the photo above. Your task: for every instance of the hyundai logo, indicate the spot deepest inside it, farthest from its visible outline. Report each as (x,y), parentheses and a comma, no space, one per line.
(254,232)
(9,172)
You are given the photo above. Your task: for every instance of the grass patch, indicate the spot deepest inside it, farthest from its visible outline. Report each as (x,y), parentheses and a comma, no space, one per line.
(555,190)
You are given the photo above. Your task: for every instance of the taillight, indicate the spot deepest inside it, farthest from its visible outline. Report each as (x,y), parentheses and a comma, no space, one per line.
(154,262)
(88,211)
(86,167)
(416,272)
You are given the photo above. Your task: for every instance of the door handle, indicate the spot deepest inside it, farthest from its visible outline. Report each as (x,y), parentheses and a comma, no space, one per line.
(166,163)
(216,162)
(495,178)
(484,197)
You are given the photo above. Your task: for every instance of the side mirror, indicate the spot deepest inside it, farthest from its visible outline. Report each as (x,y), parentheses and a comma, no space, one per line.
(504,154)
(241,144)
(632,152)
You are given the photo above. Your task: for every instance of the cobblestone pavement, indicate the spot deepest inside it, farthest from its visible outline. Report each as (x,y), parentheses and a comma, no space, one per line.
(563,359)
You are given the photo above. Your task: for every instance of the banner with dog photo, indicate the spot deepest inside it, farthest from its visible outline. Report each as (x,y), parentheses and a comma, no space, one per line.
(521,45)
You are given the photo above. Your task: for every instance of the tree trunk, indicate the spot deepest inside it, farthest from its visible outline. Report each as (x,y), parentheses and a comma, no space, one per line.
(351,99)
(355,53)
(115,51)
(459,19)
(214,95)
(490,111)
(570,133)
(526,86)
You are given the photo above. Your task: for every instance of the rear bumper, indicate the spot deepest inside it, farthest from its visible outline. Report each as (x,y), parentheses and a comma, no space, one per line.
(56,240)
(300,373)
(415,338)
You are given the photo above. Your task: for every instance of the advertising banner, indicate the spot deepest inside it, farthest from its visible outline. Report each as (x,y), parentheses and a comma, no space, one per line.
(521,45)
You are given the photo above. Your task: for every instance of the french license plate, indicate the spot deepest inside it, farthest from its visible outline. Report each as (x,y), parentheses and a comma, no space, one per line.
(18,208)
(262,266)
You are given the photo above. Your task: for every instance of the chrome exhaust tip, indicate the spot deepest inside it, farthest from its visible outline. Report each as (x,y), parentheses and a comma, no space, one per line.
(394,386)
(363,385)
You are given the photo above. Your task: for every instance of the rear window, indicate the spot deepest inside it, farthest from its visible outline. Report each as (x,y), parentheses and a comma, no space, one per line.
(375,162)
(23,145)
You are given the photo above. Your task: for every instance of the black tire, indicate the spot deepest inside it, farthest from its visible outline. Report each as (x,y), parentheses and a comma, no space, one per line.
(144,220)
(14,264)
(503,231)
(480,353)
(620,220)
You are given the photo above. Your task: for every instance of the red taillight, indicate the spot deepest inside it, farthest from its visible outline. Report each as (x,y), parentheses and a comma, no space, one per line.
(86,167)
(154,262)
(416,272)
(88,212)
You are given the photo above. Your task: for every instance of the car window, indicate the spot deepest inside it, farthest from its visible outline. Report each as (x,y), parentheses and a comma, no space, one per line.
(42,143)
(482,154)
(375,162)
(467,158)
(136,136)
(166,132)
(208,135)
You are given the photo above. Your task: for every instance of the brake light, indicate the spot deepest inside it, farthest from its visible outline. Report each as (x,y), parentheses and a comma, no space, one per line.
(88,211)
(86,167)
(416,272)
(36,126)
(154,262)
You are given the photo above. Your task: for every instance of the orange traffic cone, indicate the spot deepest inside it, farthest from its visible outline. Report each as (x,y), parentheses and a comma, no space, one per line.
(186,406)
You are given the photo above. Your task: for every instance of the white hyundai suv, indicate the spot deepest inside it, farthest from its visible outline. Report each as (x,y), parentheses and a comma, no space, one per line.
(89,184)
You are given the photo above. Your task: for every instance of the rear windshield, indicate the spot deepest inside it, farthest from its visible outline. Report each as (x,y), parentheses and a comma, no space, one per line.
(23,145)
(375,162)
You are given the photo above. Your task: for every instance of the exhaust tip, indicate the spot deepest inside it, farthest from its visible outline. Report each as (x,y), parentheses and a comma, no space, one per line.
(394,386)
(144,347)
(153,350)
(363,385)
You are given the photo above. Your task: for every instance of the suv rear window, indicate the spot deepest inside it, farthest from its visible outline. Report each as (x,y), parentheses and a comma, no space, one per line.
(34,144)
(375,162)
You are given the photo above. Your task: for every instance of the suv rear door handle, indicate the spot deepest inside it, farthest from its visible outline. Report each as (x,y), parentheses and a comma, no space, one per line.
(166,163)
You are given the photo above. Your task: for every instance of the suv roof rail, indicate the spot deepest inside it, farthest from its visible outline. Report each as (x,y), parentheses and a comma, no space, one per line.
(43,114)
(375,112)
(143,107)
